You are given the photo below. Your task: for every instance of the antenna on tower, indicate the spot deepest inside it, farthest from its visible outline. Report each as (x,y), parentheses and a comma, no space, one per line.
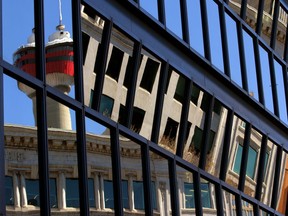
(60,27)
(60,13)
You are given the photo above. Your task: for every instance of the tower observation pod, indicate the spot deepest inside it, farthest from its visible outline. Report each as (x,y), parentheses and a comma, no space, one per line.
(59,73)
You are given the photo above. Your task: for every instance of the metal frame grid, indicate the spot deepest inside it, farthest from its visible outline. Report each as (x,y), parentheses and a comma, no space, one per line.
(152,35)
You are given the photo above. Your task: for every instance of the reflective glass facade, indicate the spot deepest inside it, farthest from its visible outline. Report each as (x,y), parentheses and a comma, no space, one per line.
(131,108)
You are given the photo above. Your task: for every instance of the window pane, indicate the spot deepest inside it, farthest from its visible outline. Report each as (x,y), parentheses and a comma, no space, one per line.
(189,195)
(109,194)
(9,190)
(150,6)
(266,79)
(237,163)
(173,17)
(72,193)
(138,195)
(252,157)
(250,65)
(195,26)
(214,34)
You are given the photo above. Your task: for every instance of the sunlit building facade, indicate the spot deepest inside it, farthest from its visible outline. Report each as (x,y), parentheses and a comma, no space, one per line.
(152,109)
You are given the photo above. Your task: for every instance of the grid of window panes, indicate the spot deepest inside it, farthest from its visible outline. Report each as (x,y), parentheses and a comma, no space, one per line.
(157,129)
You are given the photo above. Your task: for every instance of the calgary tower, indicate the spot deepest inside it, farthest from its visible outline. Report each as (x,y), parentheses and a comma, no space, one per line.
(59,72)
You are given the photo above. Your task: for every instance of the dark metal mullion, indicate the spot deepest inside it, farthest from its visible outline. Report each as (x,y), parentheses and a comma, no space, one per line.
(258,71)
(274,24)
(174,188)
(260,17)
(206,133)
(226,144)
(197,194)
(285,58)
(219,200)
(274,197)
(42,133)
(184,21)
(80,113)
(244,158)
(2,143)
(184,118)
(238,204)
(273,84)
(285,79)
(261,167)
(256,210)
(242,56)
(133,82)
(116,169)
(101,64)
(205,29)
(159,101)
(223,28)
(243,9)
(161,12)
(145,154)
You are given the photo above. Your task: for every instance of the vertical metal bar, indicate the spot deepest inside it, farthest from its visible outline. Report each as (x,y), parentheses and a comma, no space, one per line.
(285,79)
(161,11)
(159,101)
(80,114)
(132,85)
(261,167)
(242,57)
(219,200)
(274,84)
(116,169)
(225,51)
(184,21)
(244,158)
(259,17)
(276,183)
(274,24)
(256,210)
(286,48)
(206,134)
(2,143)
(174,188)
(42,136)
(197,194)
(101,64)
(238,203)
(226,145)
(147,179)
(243,9)
(184,118)
(205,29)
(258,71)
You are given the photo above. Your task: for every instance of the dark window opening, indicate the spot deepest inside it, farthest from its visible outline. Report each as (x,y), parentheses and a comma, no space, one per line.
(170,133)
(168,79)
(197,140)
(149,75)
(195,94)
(89,11)
(106,105)
(122,114)
(188,130)
(129,71)
(137,119)
(180,89)
(115,63)
(85,43)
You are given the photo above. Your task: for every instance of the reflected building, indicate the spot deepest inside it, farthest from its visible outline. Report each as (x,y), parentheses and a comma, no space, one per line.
(209,139)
